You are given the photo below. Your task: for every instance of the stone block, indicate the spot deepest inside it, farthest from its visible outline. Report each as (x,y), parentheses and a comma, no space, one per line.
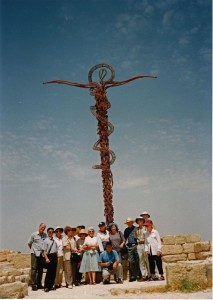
(10,278)
(203,255)
(192,238)
(23,278)
(7,269)
(11,254)
(14,290)
(20,260)
(174,258)
(180,239)
(3,279)
(202,246)
(18,278)
(168,240)
(26,271)
(4,254)
(6,251)
(171,249)
(188,247)
(191,256)
(3,257)
(183,272)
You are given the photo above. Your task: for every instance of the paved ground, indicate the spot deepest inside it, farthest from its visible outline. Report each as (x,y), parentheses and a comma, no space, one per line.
(131,290)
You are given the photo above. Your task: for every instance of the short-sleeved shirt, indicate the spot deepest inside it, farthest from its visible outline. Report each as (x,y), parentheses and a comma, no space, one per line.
(116,240)
(103,235)
(129,234)
(50,246)
(140,234)
(36,241)
(108,256)
(68,242)
(60,246)
(79,243)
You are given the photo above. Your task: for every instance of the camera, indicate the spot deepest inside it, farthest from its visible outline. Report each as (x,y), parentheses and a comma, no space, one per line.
(110,267)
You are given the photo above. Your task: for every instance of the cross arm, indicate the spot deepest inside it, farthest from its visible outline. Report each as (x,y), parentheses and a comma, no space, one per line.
(117,83)
(81,85)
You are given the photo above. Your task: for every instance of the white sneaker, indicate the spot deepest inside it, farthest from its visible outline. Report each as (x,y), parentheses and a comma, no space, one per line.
(69,286)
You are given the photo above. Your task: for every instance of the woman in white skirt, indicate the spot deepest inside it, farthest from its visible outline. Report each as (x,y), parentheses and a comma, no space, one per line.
(89,263)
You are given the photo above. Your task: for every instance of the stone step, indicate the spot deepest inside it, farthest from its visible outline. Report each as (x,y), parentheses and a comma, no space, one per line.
(14,290)
(7,269)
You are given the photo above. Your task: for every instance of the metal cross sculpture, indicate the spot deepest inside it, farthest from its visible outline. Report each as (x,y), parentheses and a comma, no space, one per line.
(105,128)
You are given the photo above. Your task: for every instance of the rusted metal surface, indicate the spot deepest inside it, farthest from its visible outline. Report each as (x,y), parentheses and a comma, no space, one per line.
(105,128)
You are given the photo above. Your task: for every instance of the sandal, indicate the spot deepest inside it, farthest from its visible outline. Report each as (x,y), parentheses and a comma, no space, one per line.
(162,277)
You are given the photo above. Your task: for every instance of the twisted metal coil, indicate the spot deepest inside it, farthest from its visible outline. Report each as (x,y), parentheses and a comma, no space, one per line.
(105,128)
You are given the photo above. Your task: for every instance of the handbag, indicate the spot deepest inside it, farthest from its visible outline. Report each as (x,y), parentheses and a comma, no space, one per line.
(43,259)
(123,250)
(75,257)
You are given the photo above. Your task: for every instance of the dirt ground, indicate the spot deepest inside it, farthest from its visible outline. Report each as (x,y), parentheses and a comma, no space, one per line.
(131,290)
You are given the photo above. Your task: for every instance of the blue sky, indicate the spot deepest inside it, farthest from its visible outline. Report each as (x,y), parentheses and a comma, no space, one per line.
(162,137)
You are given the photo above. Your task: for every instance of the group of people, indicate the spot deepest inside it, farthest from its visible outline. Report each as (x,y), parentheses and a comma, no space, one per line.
(73,251)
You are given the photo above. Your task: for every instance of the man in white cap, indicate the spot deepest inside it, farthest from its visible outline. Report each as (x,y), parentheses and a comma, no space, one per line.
(143,258)
(131,244)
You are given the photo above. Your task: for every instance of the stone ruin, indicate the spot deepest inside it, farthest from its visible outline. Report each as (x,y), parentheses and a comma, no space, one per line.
(14,274)
(185,260)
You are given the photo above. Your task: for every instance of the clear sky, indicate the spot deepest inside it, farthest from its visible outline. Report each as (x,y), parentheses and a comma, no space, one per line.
(162,136)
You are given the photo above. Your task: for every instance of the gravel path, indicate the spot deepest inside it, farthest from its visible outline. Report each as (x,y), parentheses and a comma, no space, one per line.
(131,290)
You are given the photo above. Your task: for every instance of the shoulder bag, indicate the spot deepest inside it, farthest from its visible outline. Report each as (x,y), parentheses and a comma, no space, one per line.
(123,250)
(43,259)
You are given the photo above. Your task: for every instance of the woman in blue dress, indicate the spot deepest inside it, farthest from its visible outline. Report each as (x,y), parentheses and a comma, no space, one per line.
(89,263)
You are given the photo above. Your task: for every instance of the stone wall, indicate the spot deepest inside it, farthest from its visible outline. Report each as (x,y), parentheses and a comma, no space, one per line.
(184,247)
(14,274)
(187,261)
(195,275)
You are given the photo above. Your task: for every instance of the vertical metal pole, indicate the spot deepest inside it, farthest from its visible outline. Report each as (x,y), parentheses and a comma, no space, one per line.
(105,128)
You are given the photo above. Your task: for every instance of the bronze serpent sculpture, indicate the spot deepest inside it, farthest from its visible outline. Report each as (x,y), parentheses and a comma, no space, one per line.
(105,128)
